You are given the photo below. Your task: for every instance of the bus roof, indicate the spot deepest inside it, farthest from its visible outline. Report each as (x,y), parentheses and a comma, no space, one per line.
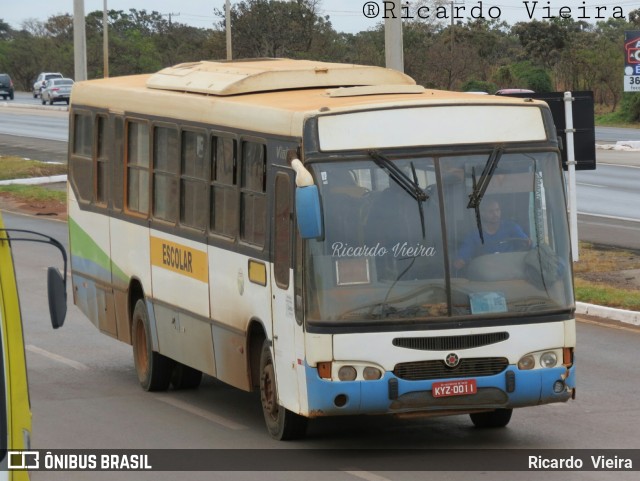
(262,75)
(268,96)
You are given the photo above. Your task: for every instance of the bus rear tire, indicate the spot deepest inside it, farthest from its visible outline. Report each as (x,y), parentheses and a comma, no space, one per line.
(492,419)
(185,377)
(154,370)
(282,424)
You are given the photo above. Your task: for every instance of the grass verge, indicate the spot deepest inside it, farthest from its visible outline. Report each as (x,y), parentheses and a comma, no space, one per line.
(608,276)
(602,294)
(33,193)
(18,168)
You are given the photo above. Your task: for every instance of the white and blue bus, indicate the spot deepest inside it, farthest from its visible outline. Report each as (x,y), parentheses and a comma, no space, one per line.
(334,236)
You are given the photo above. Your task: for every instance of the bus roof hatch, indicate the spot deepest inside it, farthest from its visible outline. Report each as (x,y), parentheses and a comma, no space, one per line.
(263,75)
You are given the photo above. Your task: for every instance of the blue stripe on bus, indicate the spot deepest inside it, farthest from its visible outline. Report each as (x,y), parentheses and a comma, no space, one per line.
(372,397)
(90,268)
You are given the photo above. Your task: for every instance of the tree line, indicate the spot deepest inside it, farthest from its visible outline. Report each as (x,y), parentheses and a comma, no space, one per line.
(477,54)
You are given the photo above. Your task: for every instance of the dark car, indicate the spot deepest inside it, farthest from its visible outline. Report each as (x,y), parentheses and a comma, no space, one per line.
(6,86)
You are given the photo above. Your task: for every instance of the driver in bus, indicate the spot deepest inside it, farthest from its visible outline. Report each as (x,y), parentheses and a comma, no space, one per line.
(499,236)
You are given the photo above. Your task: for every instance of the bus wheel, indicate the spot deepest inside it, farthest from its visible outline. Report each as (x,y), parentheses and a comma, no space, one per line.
(154,370)
(492,419)
(185,377)
(281,423)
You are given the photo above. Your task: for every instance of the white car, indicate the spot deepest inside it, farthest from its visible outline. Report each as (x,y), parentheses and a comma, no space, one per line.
(38,85)
(57,90)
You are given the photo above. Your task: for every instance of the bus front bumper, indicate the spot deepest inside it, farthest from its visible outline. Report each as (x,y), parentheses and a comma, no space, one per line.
(511,388)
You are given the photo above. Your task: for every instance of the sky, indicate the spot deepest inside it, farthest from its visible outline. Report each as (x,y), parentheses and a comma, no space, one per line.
(346,15)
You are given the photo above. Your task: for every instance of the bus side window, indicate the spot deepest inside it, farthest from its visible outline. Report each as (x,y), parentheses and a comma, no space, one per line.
(102,161)
(80,165)
(137,161)
(282,230)
(117,170)
(224,191)
(165,170)
(193,181)
(253,200)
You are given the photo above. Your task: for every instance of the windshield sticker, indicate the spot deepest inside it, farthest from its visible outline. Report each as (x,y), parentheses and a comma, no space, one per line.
(487,302)
(352,271)
(400,250)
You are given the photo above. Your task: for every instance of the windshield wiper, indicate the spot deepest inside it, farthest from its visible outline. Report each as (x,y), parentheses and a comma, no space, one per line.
(410,186)
(480,187)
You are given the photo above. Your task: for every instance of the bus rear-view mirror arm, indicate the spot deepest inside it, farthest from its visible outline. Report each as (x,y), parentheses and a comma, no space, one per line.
(56,282)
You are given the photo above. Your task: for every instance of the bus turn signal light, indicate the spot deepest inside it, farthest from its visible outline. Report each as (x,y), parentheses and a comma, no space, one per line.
(324,370)
(567,356)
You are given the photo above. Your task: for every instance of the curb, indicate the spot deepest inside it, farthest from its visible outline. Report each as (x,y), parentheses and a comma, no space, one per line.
(18,105)
(621,315)
(36,180)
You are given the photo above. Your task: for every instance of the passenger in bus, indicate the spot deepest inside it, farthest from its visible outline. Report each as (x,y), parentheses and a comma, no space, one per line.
(499,236)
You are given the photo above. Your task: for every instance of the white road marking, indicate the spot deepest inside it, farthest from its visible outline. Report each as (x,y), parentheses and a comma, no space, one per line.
(610,325)
(592,185)
(604,216)
(209,416)
(366,475)
(619,165)
(55,357)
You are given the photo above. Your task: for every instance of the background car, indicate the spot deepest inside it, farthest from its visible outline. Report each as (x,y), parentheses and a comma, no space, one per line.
(40,81)
(57,90)
(6,86)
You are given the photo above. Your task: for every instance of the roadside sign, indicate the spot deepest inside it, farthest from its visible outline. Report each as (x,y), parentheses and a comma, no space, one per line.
(584,131)
(632,61)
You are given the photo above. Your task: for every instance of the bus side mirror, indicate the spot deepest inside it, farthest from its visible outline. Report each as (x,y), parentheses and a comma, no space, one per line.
(57,293)
(308,212)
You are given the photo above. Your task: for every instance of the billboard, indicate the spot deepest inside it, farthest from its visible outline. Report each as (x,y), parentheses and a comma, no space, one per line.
(632,61)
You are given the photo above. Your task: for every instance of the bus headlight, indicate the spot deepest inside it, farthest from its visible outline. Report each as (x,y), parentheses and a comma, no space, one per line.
(527,362)
(548,359)
(355,371)
(541,359)
(371,373)
(347,373)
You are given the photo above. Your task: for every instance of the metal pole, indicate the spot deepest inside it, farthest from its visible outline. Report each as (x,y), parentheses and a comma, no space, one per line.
(79,41)
(105,41)
(571,162)
(227,9)
(394,55)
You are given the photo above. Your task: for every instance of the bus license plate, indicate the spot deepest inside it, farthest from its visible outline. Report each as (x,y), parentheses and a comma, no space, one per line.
(462,387)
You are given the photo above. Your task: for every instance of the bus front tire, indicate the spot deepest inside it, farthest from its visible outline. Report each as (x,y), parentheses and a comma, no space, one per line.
(154,370)
(282,424)
(492,419)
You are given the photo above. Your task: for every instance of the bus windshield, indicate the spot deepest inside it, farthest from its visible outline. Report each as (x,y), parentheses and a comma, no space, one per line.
(489,238)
